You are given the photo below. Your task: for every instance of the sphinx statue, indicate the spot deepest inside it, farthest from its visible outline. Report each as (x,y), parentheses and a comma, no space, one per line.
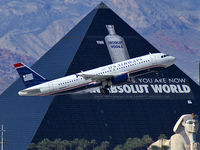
(186,135)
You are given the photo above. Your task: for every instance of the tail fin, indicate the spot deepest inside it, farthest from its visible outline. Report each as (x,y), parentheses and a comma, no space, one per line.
(28,76)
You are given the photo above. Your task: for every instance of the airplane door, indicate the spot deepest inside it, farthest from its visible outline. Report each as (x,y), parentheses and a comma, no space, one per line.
(153,59)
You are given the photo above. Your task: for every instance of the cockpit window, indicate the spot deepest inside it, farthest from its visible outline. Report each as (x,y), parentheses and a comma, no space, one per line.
(164,56)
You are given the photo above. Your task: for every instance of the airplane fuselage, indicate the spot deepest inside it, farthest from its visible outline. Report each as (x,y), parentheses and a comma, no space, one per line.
(78,82)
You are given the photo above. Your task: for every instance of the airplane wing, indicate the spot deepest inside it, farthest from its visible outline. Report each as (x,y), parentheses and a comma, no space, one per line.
(98,78)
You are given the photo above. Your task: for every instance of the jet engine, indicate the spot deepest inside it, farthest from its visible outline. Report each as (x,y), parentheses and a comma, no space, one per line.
(120,79)
(114,81)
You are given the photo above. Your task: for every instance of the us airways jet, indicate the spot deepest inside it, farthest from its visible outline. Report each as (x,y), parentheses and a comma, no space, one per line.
(102,77)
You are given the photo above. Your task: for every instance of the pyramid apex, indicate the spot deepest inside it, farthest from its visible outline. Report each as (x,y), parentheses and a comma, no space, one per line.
(102,5)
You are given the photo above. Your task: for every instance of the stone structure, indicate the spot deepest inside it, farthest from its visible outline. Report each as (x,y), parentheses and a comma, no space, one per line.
(186,133)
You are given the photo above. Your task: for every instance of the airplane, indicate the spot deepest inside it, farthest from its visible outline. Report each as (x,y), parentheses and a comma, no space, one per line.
(101,77)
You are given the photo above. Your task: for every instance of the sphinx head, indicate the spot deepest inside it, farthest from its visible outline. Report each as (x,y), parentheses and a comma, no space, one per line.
(191,123)
(188,123)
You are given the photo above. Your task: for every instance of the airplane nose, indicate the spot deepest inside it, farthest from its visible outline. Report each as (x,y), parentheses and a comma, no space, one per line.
(170,60)
(173,59)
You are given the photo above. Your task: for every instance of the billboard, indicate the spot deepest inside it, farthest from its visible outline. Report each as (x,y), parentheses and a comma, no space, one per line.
(156,85)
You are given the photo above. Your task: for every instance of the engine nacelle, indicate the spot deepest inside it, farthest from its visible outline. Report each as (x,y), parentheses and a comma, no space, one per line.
(120,79)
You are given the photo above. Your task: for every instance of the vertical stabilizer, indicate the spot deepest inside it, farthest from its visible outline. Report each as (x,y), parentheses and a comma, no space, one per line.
(28,76)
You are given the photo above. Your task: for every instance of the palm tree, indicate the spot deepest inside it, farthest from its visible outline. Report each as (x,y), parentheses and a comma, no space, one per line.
(162,137)
(51,145)
(118,147)
(147,140)
(154,147)
(71,144)
(97,148)
(133,143)
(39,146)
(138,143)
(76,142)
(31,146)
(105,145)
(82,143)
(164,147)
(66,144)
(128,144)
(85,143)
(58,144)
(79,148)
(43,145)
(93,142)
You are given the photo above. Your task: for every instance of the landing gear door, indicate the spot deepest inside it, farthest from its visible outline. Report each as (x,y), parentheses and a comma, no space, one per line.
(153,59)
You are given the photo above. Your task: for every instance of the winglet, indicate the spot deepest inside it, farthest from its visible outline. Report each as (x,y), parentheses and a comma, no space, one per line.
(18,65)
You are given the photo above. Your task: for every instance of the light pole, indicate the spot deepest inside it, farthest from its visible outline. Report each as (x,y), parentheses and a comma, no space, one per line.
(2,142)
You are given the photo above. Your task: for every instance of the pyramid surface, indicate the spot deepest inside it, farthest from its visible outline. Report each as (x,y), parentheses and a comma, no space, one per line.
(115,117)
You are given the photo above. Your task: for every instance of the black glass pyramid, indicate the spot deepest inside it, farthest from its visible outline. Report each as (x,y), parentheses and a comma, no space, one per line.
(114,117)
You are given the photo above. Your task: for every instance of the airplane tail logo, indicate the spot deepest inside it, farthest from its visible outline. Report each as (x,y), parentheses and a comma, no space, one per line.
(29,76)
